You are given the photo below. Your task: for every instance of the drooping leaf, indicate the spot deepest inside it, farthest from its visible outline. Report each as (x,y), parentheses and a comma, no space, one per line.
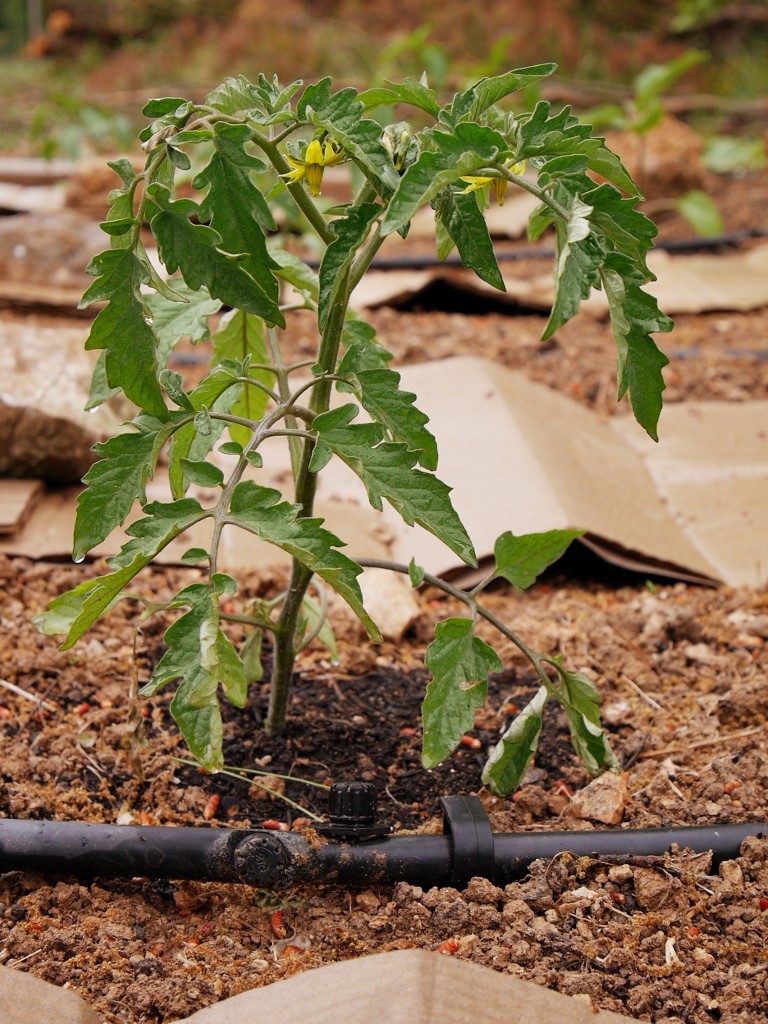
(581,702)
(460,152)
(387,468)
(378,390)
(465,224)
(521,560)
(195,249)
(577,265)
(61,613)
(635,315)
(126,461)
(509,759)
(350,232)
(459,662)
(203,658)
(315,619)
(261,510)
(123,330)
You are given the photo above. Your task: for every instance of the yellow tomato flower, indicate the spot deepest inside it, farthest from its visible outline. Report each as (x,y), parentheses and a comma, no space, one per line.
(317,157)
(499,185)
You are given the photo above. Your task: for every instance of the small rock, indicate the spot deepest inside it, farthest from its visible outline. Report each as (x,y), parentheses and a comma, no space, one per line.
(730,871)
(653,889)
(390,602)
(604,799)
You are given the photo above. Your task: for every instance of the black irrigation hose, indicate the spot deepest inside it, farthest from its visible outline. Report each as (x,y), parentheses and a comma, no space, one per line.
(416,262)
(352,849)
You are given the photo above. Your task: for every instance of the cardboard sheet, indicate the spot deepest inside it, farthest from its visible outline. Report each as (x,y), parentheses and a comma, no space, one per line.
(522,457)
(407,986)
(685,284)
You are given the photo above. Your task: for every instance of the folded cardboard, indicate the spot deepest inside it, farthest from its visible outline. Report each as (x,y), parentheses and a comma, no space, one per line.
(684,284)
(525,458)
(407,986)
(410,986)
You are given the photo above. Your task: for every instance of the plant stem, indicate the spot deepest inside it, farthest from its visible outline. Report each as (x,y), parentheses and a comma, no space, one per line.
(305,483)
(536,660)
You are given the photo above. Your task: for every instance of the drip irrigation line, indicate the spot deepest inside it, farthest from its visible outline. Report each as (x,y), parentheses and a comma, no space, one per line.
(352,849)
(417,262)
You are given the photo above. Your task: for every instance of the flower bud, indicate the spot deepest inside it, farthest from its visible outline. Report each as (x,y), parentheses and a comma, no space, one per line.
(401,144)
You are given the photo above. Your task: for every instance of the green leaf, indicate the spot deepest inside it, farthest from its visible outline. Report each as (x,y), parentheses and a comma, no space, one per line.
(235,207)
(173,384)
(701,212)
(233,95)
(635,315)
(581,702)
(202,656)
(194,440)
(350,232)
(341,114)
(313,617)
(122,329)
(456,153)
(465,223)
(459,662)
(296,272)
(521,560)
(241,338)
(416,573)
(577,267)
(469,105)
(184,316)
(63,610)
(630,231)
(511,756)
(195,249)
(409,91)
(204,474)
(542,137)
(162,105)
(192,556)
(378,390)
(162,524)
(261,510)
(387,470)
(100,391)
(126,462)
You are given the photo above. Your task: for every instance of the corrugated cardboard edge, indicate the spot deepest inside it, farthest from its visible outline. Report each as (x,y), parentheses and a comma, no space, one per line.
(408,986)
(25,999)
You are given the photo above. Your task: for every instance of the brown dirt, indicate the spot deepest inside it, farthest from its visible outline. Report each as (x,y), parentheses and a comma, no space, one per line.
(682,671)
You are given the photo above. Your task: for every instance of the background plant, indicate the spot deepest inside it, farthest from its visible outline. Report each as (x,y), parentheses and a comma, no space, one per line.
(223,250)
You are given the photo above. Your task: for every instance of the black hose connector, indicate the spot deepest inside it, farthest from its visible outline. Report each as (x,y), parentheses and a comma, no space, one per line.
(356,854)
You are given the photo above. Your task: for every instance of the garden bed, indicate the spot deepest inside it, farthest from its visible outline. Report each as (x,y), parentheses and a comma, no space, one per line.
(682,670)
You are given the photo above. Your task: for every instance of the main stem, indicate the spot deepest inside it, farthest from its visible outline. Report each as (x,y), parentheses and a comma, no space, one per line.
(285,628)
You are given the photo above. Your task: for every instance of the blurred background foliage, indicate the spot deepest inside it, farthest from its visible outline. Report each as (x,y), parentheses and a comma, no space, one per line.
(74,73)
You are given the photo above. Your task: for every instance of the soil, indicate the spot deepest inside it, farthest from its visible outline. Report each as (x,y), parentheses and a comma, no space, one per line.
(682,672)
